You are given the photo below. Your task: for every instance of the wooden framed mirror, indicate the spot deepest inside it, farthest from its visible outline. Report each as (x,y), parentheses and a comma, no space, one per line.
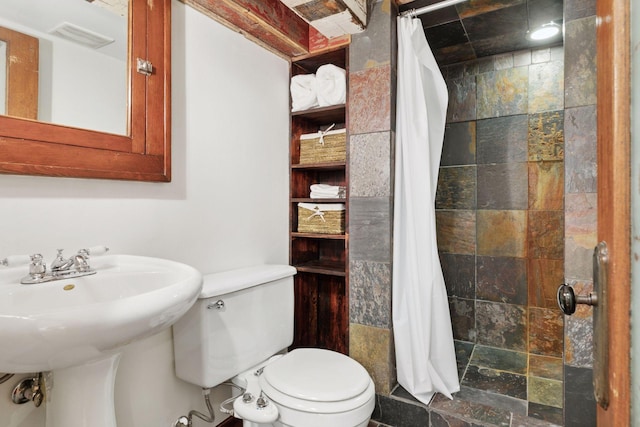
(31,147)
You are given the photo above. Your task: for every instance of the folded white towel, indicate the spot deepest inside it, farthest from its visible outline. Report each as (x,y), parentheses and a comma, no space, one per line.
(325,188)
(324,196)
(326,191)
(331,84)
(304,93)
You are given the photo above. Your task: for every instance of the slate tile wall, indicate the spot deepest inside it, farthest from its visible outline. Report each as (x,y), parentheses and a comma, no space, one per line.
(372,71)
(580,226)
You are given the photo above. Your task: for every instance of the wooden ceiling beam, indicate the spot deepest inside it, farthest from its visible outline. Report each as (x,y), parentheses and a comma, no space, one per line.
(267,22)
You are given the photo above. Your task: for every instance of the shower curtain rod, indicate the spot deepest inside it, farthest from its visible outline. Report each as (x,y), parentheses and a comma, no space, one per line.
(412,13)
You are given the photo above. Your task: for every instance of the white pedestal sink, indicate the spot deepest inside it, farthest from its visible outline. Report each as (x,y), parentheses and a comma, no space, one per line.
(76,327)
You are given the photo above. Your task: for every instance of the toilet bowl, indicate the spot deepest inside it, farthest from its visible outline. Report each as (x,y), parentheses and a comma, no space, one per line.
(310,388)
(239,328)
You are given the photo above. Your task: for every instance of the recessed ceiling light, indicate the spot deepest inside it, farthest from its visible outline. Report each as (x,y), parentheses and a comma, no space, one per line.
(544,32)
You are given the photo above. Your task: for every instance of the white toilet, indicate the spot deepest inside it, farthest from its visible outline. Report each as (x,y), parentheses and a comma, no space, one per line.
(241,320)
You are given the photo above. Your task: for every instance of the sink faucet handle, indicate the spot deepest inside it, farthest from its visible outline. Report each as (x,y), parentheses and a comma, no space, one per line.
(81,262)
(13,260)
(94,250)
(37,268)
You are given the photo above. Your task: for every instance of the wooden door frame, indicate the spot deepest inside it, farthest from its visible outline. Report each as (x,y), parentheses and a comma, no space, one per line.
(614,207)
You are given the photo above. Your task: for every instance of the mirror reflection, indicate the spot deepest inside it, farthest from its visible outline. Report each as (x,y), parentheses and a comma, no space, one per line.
(21,74)
(82,78)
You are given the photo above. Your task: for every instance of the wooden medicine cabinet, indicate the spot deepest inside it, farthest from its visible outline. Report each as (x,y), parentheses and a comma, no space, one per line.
(142,152)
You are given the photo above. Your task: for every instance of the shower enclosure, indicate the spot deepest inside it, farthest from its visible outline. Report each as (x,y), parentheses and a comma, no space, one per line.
(516,217)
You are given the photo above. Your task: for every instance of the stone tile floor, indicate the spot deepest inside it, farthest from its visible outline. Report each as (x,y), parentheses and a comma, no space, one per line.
(495,385)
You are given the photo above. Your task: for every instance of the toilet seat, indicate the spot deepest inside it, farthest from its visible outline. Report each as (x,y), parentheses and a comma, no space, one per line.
(317,381)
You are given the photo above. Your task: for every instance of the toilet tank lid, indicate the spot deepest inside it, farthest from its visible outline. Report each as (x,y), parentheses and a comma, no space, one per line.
(216,284)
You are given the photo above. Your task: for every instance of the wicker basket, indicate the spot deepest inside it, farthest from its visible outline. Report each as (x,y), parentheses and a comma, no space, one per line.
(325,218)
(323,147)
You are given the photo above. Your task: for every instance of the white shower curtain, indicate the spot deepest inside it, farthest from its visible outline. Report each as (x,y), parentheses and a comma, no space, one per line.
(425,355)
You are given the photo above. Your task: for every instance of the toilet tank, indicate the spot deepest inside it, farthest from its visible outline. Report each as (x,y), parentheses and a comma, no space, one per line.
(241,318)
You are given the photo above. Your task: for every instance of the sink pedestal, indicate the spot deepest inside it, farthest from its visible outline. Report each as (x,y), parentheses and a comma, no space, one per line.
(83,395)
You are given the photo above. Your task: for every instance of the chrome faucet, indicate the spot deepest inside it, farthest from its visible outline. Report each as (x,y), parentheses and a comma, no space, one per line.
(61,268)
(79,261)
(60,264)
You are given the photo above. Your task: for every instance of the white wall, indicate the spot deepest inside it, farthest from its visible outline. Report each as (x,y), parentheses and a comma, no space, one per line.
(226,206)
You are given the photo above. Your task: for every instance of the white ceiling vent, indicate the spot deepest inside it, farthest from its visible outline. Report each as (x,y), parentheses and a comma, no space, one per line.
(81,35)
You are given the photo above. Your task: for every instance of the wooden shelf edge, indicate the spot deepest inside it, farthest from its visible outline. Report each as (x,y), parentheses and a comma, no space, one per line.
(323,116)
(316,267)
(309,200)
(318,110)
(332,165)
(318,236)
(314,54)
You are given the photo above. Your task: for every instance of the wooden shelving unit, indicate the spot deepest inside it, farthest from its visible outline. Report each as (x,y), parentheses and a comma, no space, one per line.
(321,285)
